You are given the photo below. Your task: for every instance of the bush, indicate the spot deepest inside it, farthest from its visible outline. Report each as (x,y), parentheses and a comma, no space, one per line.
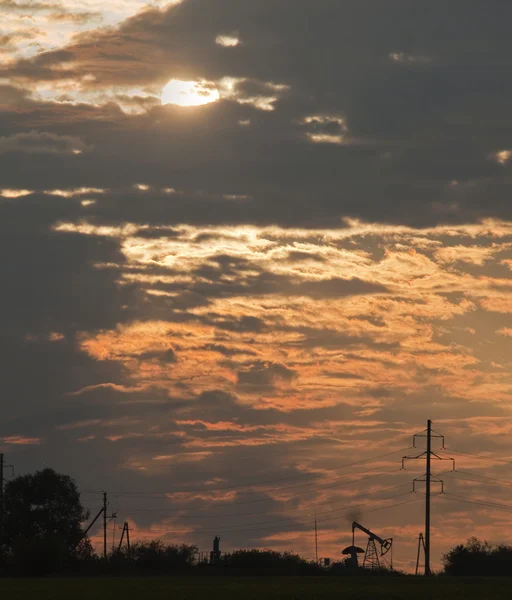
(478,558)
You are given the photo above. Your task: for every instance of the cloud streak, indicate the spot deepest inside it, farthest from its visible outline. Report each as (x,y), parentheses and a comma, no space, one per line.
(42,142)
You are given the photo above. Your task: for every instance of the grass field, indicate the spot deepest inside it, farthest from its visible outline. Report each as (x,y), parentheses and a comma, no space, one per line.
(265,588)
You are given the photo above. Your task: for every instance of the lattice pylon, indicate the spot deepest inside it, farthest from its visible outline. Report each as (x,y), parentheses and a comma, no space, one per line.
(371,556)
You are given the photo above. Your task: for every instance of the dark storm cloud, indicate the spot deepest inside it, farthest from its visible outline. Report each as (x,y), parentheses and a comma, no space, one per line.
(422,108)
(52,291)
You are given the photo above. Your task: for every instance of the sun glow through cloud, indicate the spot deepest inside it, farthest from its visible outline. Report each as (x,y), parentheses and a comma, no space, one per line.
(189,93)
(227,40)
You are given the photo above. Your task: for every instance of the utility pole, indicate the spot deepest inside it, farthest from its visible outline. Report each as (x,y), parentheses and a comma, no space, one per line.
(106,520)
(126,529)
(316,541)
(128,541)
(105,525)
(428,479)
(421,542)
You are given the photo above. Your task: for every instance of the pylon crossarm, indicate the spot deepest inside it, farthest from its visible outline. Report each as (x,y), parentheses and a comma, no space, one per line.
(424,434)
(442,457)
(417,457)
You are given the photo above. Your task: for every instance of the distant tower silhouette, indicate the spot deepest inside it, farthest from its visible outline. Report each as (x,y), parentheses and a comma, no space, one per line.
(215,553)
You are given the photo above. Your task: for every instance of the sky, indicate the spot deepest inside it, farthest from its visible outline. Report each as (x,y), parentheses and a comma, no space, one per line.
(249,248)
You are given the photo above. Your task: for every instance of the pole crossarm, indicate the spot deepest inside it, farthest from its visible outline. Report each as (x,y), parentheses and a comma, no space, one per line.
(423,479)
(425,434)
(424,455)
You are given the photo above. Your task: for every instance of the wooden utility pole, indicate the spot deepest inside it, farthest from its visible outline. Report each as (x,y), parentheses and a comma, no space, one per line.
(126,530)
(421,542)
(316,542)
(128,541)
(105,525)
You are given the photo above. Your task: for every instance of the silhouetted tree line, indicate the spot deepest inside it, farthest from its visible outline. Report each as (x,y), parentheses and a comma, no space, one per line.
(42,533)
(154,557)
(479,558)
(269,562)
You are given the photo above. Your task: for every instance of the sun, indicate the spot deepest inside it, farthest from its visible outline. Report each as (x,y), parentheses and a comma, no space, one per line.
(190,93)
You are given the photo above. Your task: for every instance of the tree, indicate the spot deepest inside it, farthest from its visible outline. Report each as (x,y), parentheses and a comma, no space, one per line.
(42,527)
(156,557)
(270,562)
(478,558)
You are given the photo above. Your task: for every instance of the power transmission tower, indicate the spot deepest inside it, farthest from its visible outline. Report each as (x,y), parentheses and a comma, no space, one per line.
(428,478)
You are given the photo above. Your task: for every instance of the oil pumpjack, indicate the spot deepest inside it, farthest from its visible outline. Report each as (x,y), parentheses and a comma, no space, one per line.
(371,556)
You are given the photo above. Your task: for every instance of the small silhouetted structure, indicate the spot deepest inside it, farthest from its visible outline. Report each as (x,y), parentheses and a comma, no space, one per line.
(215,553)
(351,561)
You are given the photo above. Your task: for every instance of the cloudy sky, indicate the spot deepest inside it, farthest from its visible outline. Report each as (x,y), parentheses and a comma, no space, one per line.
(248,245)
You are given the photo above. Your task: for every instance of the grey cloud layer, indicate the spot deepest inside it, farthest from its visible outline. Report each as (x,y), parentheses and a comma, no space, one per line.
(421,131)
(42,142)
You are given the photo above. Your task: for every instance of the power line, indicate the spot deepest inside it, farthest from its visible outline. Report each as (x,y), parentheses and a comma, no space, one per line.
(334,510)
(479,502)
(235,529)
(258,500)
(481,456)
(257,483)
(490,480)
(199,516)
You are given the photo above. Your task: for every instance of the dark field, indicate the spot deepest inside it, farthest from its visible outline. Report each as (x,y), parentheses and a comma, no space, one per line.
(265,588)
